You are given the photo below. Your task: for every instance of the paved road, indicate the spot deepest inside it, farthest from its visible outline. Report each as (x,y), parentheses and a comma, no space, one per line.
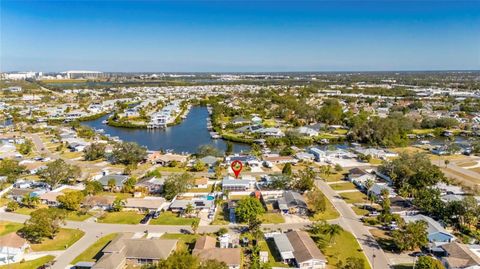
(351,222)
(93,231)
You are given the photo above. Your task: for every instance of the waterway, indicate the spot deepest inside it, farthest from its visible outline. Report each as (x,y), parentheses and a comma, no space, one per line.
(185,137)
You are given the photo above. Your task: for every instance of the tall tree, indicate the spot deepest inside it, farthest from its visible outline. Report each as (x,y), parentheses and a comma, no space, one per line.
(412,235)
(128,153)
(71,201)
(58,172)
(426,262)
(248,209)
(177,183)
(94,151)
(43,223)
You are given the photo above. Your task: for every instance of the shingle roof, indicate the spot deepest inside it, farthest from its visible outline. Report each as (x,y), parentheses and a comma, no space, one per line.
(205,242)
(304,247)
(12,240)
(230,256)
(459,256)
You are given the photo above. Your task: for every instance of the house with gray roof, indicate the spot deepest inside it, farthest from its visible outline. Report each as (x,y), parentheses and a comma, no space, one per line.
(292,203)
(124,248)
(436,233)
(119,180)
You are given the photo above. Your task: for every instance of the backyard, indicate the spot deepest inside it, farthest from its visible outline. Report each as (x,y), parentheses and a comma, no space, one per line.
(91,253)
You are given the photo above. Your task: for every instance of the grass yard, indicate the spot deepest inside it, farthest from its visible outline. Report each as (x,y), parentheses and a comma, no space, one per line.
(64,239)
(71,155)
(186,241)
(4,201)
(221,217)
(208,190)
(170,218)
(345,246)
(360,211)
(329,213)
(354,197)
(77,216)
(124,217)
(7,227)
(29,264)
(172,169)
(343,186)
(333,177)
(28,211)
(272,218)
(274,259)
(91,253)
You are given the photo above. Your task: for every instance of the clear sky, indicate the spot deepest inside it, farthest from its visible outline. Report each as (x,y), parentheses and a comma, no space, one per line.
(239,35)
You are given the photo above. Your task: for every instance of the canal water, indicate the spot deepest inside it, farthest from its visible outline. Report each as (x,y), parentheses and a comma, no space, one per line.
(185,137)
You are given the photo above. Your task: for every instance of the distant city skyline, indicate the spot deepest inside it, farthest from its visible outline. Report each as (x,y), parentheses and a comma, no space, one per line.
(239,36)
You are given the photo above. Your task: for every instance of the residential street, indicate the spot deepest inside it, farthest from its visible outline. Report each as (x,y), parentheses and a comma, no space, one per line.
(351,222)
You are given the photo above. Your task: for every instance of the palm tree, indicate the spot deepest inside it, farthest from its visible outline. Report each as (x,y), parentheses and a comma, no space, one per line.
(194,225)
(332,231)
(368,185)
(188,209)
(30,201)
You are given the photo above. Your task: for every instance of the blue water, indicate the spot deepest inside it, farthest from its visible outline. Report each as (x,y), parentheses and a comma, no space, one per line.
(185,137)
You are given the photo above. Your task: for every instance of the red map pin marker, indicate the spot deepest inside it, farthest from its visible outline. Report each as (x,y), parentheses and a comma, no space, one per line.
(236,167)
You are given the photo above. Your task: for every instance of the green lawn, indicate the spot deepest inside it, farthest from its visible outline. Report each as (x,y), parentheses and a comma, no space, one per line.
(123,217)
(27,211)
(172,169)
(29,264)
(354,197)
(91,253)
(185,241)
(220,217)
(170,218)
(273,218)
(329,213)
(334,176)
(209,189)
(345,246)
(77,216)
(360,211)
(274,259)
(9,227)
(343,186)
(64,239)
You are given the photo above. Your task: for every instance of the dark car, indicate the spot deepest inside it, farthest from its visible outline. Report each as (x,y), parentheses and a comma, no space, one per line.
(145,219)
(156,214)
(417,254)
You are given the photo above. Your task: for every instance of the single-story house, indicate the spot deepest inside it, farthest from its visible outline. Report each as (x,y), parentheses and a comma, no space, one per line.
(201,183)
(437,235)
(97,201)
(179,205)
(236,184)
(118,179)
(297,248)
(124,248)
(50,198)
(460,256)
(377,189)
(280,159)
(292,203)
(152,184)
(166,159)
(359,176)
(206,249)
(144,204)
(12,248)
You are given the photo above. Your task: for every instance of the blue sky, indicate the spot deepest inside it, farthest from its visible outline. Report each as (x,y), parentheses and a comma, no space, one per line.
(239,35)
